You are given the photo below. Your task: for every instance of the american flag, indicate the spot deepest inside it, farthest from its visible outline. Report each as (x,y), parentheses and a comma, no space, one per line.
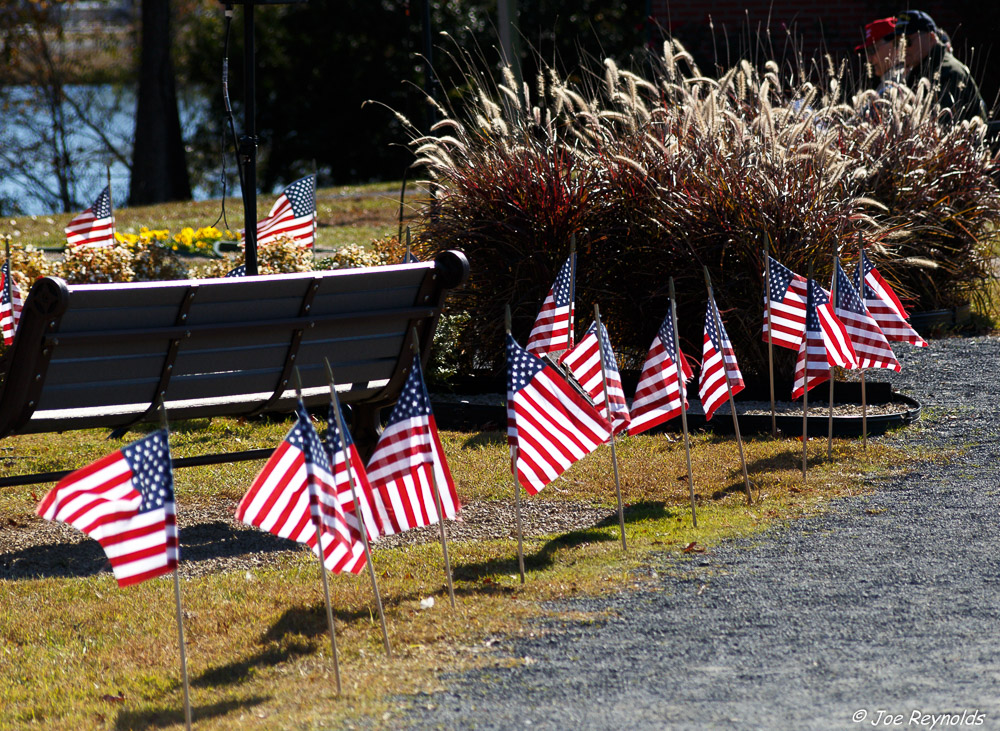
(406,459)
(11,304)
(549,425)
(366,500)
(240,271)
(658,395)
(716,351)
(812,358)
(125,501)
(584,362)
(293,489)
(553,329)
(293,215)
(883,305)
(787,305)
(95,226)
(870,345)
(839,351)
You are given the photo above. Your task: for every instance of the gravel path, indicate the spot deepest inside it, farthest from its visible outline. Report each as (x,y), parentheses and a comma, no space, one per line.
(880,613)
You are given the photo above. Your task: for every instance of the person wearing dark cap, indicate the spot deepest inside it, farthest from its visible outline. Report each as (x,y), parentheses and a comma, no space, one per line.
(928,55)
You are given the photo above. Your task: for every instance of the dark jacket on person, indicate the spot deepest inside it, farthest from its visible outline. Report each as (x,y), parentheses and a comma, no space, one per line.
(952,84)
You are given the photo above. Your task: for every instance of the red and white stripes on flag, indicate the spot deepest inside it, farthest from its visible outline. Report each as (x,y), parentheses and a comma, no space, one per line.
(295,487)
(826,343)
(839,350)
(883,305)
(553,329)
(870,346)
(292,216)
(11,304)
(718,362)
(549,424)
(658,395)
(125,501)
(785,306)
(407,459)
(95,226)
(344,471)
(584,362)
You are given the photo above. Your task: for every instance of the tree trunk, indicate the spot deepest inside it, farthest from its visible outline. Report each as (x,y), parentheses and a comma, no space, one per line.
(159,169)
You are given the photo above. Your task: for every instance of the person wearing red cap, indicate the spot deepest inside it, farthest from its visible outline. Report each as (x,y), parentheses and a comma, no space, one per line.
(881,48)
(925,53)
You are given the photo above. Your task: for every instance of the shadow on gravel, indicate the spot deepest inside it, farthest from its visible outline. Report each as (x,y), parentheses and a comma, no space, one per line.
(161,718)
(202,542)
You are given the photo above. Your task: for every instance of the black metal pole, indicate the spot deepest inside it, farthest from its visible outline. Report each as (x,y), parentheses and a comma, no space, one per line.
(248,142)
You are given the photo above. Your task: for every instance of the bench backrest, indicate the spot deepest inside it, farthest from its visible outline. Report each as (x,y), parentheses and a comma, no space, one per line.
(103,355)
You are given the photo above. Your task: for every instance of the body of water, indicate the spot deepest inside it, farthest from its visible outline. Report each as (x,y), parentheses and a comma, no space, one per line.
(97,120)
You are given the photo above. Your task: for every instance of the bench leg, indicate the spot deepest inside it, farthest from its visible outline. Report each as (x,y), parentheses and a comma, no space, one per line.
(366,428)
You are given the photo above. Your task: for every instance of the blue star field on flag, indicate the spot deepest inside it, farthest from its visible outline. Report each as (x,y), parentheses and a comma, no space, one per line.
(522,366)
(149,460)
(302,195)
(413,401)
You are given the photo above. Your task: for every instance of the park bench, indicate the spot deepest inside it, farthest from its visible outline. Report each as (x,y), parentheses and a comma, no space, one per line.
(107,355)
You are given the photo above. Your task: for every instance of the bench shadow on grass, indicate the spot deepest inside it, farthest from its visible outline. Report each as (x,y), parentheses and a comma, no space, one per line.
(163,717)
(544,557)
(310,622)
(202,542)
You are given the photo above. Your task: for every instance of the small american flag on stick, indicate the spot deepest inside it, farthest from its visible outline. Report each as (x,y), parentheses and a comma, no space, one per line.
(295,490)
(883,305)
(407,457)
(292,216)
(553,329)
(11,304)
(658,395)
(785,306)
(95,226)
(549,424)
(870,345)
(826,343)
(125,501)
(584,362)
(718,362)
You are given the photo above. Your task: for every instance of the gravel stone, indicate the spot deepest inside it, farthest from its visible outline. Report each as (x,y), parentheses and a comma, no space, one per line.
(882,612)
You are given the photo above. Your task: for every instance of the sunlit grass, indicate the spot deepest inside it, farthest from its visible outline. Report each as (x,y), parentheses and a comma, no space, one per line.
(79,652)
(346,215)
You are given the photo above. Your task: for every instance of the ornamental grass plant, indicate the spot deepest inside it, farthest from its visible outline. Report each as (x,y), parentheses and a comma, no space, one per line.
(667,174)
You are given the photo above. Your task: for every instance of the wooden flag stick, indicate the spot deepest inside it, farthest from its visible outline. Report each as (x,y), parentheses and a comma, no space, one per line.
(833,299)
(770,340)
(729,387)
(805,390)
(683,392)
(177,599)
(572,290)
(335,404)
(864,414)
(607,407)
(111,206)
(864,402)
(438,504)
(318,524)
(10,273)
(517,485)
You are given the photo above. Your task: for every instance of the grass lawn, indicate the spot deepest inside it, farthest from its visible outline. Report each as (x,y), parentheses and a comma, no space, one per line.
(78,652)
(346,215)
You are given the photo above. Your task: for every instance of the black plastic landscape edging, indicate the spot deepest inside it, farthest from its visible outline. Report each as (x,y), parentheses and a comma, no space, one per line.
(461,416)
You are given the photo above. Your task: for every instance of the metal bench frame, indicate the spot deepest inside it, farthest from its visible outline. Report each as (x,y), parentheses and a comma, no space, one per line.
(109,355)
